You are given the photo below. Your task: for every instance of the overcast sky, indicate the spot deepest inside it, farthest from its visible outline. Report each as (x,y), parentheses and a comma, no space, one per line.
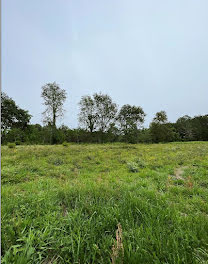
(152,54)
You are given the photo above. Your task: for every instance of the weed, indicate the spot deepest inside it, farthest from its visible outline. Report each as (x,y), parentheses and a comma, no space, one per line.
(18,142)
(11,145)
(65,144)
(132,166)
(118,249)
(189,182)
(141,163)
(56,161)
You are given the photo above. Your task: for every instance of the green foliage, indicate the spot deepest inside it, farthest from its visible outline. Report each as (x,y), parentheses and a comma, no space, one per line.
(130,117)
(56,161)
(144,136)
(106,111)
(12,116)
(101,125)
(160,117)
(97,112)
(168,132)
(88,114)
(141,163)
(63,205)
(65,144)
(132,166)
(185,129)
(54,98)
(13,135)
(11,145)
(192,128)
(18,142)
(163,132)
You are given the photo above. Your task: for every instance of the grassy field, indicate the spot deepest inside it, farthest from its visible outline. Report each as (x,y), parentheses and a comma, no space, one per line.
(110,203)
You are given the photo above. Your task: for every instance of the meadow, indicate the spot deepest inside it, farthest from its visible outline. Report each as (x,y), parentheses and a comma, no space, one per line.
(105,203)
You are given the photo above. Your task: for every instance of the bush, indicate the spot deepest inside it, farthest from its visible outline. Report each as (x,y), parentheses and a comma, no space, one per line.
(11,145)
(18,142)
(56,161)
(65,144)
(141,163)
(132,166)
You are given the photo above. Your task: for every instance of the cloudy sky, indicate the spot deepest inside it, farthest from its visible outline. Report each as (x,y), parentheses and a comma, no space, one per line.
(148,53)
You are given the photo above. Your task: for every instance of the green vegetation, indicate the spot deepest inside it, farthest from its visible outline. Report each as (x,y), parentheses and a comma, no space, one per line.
(11,145)
(65,144)
(100,121)
(12,116)
(68,205)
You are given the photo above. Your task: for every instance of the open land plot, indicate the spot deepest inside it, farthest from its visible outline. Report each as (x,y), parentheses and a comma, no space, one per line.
(106,203)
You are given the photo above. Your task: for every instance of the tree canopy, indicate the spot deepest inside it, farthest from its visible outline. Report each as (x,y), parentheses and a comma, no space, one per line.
(99,119)
(88,114)
(97,112)
(54,98)
(12,116)
(130,117)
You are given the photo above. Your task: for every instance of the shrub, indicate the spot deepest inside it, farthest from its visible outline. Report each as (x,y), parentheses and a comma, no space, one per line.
(56,161)
(141,163)
(11,145)
(65,144)
(132,166)
(18,142)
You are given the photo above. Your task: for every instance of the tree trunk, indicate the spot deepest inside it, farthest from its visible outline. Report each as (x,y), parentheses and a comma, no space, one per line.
(54,118)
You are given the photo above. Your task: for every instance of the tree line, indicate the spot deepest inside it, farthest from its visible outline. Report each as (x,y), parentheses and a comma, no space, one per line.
(100,120)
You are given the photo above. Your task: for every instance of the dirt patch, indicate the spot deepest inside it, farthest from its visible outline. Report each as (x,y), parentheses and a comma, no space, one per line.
(64,209)
(179,172)
(51,261)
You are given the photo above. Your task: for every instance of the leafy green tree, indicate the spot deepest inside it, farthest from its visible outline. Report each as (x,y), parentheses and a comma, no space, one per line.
(184,128)
(106,111)
(130,118)
(113,133)
(34,134)
(160,117)
(14,135)
(97,112)
(195,128)
(161,130)
(200,127)
(144,135)
(12,116)
(88,114)
(54,98)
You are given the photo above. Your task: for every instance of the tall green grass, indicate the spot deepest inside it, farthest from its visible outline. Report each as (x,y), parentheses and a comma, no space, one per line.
(63,205)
